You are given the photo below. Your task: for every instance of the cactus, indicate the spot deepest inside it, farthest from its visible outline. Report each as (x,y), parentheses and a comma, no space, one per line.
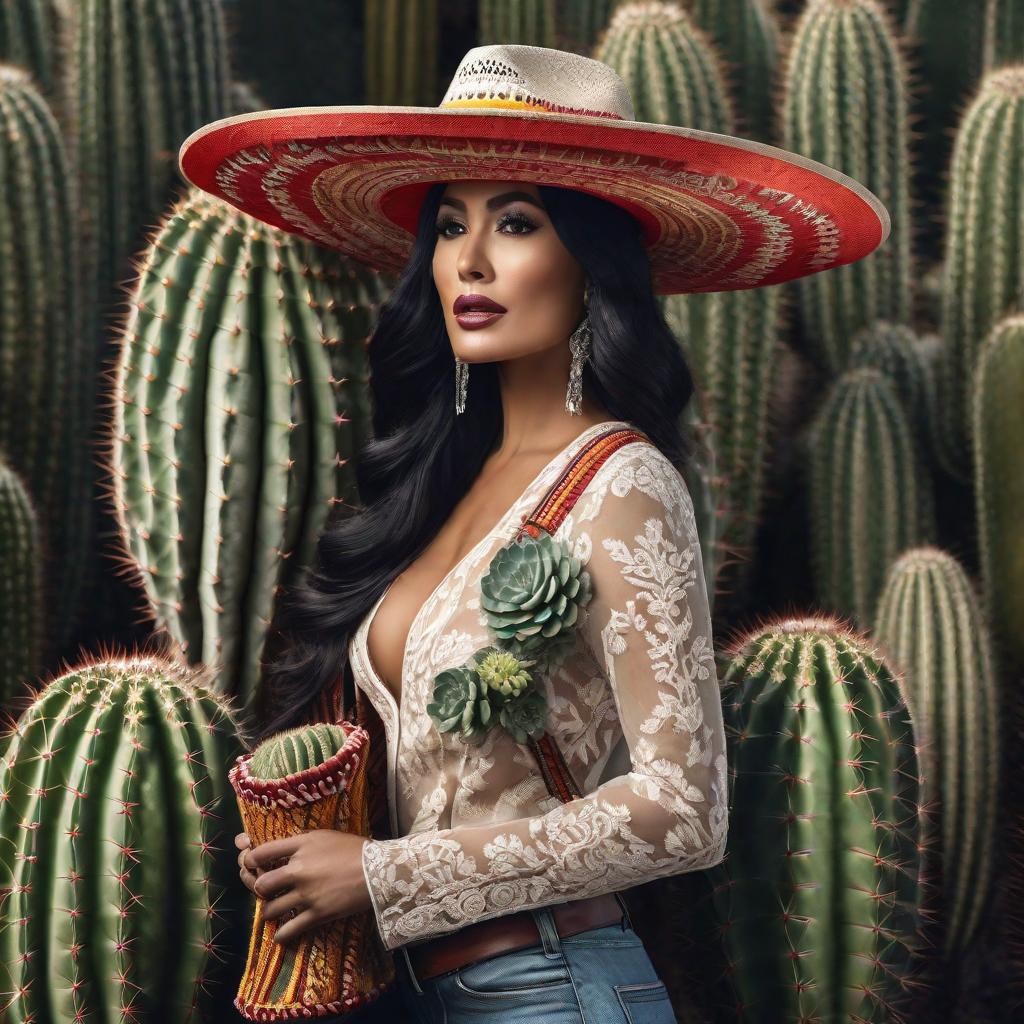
(149,73)
(517,21)
(845,104)
(998,417)
(931,628)
(909,362)
(819,903)
(870,496)
(117,858)
(984,261)
(296,750)
(747,35)
(1002,40)
(401,52)
(239,403)
(669,65)
(729,338)
(582,22)
(46,387)
(21,617)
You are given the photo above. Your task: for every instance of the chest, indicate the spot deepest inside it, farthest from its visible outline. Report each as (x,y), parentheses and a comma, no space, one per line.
(480,512)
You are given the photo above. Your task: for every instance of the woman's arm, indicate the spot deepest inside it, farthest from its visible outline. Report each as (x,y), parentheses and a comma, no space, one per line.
(648,623)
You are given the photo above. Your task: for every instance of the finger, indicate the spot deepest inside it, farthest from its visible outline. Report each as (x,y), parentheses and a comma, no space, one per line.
(242,841)
(272,882)
(290,930)
(248,880)
(278,908)
(275,849)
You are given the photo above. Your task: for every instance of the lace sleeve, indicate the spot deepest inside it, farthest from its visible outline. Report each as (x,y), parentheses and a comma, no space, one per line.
(648,624)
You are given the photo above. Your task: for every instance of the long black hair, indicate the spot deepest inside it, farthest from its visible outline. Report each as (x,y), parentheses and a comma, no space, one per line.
(423,458)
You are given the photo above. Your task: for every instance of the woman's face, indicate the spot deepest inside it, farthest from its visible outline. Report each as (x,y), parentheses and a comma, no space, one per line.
(494,239)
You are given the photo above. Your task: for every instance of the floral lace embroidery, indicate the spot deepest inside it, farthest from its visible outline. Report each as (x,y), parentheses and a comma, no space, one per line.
(484,838)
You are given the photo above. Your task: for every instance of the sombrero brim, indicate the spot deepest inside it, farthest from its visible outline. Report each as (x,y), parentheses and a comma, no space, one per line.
(718,212)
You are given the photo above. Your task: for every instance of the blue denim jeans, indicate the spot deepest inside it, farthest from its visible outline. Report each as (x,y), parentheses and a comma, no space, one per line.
(599,976)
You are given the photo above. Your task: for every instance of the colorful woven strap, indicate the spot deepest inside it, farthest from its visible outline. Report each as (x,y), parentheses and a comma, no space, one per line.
(548,514)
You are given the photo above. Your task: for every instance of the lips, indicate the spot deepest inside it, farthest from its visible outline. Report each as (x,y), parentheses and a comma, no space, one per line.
(476,304)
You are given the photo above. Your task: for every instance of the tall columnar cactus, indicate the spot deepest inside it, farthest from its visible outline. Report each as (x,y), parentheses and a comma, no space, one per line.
(38,35)
(46,387)
(400,62)
(669,64)
(984,262)
(909,362)
(845,104)
(998,424)
(240,399)
(581,23)
(674,76)
(21,606)
(747,35)
(149,73)
(517,21)
(1002,40)
(871,497)
(117,858)
(819,907)
(931,628)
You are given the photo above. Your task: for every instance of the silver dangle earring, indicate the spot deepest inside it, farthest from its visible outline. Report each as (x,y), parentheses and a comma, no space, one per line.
(579,345)
(461,383)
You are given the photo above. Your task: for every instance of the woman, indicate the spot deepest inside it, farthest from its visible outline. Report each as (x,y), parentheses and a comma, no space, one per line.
(532,193)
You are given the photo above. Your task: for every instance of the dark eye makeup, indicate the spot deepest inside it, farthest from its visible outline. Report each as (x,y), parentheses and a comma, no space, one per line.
(515,217)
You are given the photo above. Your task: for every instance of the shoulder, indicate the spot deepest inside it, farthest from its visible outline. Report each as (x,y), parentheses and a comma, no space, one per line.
(637,482)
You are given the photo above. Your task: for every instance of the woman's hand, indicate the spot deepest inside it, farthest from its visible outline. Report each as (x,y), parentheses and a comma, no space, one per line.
(320,877)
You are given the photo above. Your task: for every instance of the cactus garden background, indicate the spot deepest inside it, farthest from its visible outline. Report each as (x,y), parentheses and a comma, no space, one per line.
(208,398)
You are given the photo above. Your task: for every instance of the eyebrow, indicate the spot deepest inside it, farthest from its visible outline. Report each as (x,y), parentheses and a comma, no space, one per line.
(495,201)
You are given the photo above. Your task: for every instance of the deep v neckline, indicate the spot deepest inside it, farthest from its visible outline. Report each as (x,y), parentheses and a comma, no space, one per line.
(502,524)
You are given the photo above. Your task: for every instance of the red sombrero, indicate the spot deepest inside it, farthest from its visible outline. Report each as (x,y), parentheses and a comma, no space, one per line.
(718,212)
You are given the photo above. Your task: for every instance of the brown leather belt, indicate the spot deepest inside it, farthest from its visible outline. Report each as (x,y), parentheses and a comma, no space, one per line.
(484,939)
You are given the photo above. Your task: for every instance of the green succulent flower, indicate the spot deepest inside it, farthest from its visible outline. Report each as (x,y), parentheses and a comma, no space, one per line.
(460,702)
(525,716)
(531,597)
(501,672)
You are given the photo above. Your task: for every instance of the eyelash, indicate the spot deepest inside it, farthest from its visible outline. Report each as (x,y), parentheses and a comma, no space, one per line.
(514,217)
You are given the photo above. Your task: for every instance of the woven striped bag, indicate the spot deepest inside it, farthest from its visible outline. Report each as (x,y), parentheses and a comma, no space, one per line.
(313,777)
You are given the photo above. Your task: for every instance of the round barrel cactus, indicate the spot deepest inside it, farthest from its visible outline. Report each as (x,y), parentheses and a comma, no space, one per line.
(117,863)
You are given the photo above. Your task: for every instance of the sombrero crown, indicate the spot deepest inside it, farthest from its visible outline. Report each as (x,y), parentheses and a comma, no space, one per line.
(718,212)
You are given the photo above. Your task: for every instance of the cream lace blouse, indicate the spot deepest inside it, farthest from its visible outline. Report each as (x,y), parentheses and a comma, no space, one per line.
(635,710)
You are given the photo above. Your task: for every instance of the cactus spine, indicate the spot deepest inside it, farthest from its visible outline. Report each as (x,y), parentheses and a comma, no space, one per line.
(845,104)
(20,587)
(931,627)
(870,496)
(998,419)
(238,405)
(117,857)
(401,52)
(984,261)
(824,811)
(46,387)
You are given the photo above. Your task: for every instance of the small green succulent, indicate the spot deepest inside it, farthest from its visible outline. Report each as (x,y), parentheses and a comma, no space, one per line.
(501,672)
(525,717)
(460,703)
(531,596)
